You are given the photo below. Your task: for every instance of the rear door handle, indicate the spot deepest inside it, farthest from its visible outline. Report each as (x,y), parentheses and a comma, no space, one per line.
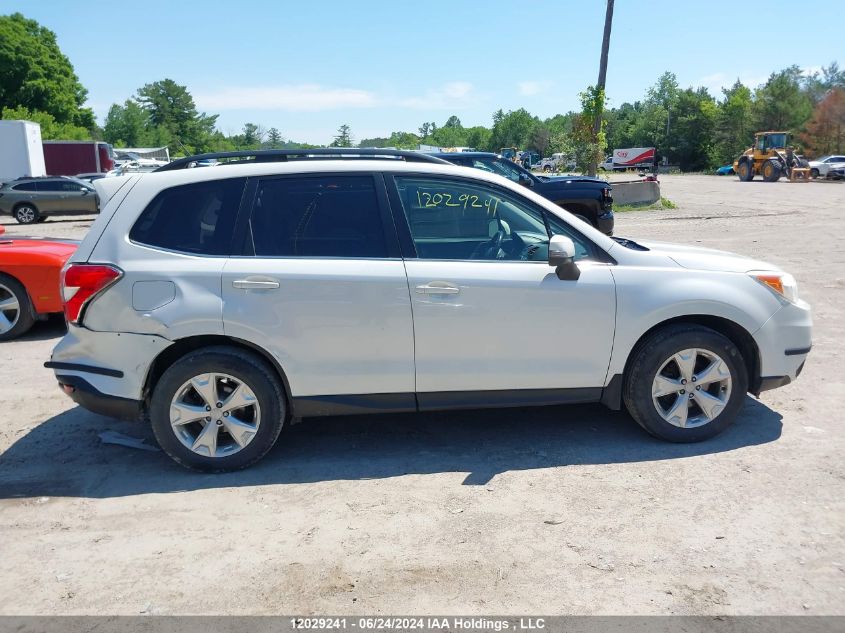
(255,284)
(438,288)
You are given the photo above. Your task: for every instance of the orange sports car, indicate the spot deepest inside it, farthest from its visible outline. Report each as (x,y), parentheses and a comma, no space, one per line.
(30,270)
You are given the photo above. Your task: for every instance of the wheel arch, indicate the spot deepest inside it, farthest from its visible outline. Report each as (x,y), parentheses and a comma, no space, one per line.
(731,330)
(25,203)
(23,283)
(181,347)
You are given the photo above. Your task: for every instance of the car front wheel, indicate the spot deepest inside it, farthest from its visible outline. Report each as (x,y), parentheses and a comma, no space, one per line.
(217,410)
(686,383)
(27,214)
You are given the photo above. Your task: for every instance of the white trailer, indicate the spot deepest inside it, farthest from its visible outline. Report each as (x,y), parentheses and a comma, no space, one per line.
(21,151)
(630,158)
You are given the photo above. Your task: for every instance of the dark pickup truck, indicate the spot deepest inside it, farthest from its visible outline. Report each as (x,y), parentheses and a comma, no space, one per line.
(585,197)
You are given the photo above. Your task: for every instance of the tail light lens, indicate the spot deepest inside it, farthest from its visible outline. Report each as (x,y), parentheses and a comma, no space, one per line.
(81,283)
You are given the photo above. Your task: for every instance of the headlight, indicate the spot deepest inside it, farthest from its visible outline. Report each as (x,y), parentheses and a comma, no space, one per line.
(783,284)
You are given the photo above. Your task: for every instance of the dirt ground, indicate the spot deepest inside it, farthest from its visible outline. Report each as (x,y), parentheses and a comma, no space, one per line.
(556,510)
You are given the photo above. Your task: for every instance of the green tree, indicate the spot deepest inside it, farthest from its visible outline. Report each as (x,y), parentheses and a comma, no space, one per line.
(378,141)
(343,138)
(589,145)
(478,137)
(403,140)
(36,75)
(695,120)
(781,103)
(274,139)
(512,129)
(50,128)
(539,138)
(174,116)
(734,126)
(127,125)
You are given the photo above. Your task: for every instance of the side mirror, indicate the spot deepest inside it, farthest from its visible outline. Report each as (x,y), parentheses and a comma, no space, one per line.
(562,257)
(526,181)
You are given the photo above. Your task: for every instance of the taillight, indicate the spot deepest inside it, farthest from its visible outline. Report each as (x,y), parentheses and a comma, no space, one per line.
(81,283)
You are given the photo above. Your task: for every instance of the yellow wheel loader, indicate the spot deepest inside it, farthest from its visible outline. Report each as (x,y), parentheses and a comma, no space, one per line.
(770,158)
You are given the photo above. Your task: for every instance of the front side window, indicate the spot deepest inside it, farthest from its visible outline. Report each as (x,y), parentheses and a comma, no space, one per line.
(197,218)
(325,216)
(466,220)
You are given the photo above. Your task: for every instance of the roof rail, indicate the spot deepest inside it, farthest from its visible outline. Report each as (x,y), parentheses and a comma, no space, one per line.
(322,153)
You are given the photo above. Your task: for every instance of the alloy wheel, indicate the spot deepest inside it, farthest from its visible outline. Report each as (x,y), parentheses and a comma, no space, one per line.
(691,388)
(10,309)
(215,415)
(25,215)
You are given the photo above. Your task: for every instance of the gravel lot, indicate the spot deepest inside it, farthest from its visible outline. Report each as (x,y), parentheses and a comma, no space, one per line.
(556,510)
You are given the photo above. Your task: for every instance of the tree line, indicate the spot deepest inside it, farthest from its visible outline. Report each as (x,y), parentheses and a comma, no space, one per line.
(689,127)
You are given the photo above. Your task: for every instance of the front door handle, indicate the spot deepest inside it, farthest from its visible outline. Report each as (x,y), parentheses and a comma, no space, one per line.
(438,288)
(255,284)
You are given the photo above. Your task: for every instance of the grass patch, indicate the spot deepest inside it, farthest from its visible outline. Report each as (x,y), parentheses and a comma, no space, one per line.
(663,203)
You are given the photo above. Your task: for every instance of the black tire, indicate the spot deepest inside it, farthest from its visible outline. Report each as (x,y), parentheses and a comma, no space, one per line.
(771,171)
(26,213)
(652,353)
(745,171)
(25,317)
(814,173)
(242,365)
(547,168)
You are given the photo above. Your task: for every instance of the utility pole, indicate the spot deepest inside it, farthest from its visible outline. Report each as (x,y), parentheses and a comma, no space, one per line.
(605,45)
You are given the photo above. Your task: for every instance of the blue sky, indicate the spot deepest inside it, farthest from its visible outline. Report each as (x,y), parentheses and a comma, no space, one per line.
(380,66)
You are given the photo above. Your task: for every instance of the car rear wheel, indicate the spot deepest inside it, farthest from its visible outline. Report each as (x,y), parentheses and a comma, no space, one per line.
(686,383)
(16,314)
(814,173)
(217,410)
(26,214)
(547,168)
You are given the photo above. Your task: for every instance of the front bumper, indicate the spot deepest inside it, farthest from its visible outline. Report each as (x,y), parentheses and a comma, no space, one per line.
(784,342)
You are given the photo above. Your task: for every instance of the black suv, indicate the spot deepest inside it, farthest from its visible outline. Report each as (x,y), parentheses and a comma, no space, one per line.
(585,197)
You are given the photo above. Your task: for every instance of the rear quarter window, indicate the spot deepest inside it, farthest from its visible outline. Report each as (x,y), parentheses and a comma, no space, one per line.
(197,218)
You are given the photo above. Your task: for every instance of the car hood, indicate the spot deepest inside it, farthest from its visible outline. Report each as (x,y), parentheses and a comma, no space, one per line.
(700,258)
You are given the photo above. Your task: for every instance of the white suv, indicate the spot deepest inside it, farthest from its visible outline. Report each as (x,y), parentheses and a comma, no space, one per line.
(221,303)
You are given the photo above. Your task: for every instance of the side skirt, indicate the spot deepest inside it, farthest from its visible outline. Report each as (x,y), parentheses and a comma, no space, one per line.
(357,404)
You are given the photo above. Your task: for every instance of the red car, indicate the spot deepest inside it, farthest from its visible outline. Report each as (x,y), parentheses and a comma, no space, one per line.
(29,281)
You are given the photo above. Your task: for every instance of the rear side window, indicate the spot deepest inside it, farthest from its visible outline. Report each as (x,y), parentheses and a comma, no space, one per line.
(325,216)
(25,186)
(196,218)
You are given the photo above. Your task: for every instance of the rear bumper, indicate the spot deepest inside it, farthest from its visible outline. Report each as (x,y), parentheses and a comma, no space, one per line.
(89,397)
(605,221)
(113,364)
